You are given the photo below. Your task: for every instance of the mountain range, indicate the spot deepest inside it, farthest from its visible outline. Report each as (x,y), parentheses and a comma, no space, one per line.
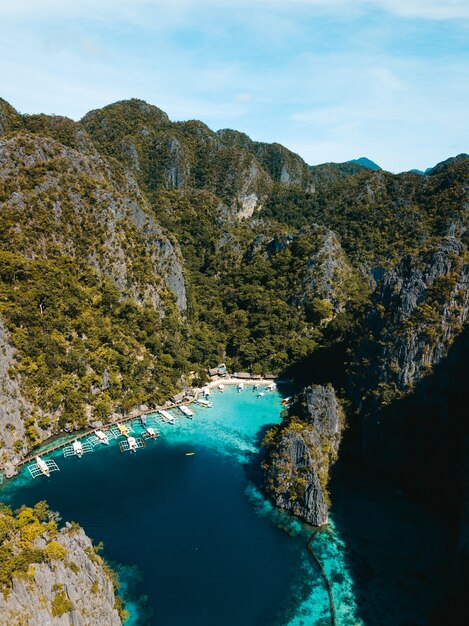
(137,252)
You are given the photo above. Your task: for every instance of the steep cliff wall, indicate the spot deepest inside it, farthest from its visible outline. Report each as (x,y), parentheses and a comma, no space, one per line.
(52,577)
(300,452)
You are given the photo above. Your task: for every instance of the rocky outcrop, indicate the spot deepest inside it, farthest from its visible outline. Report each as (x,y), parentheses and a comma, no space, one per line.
(60,579)
(300,453)
(418,309)
(329,274)
(74,203)
(13,408)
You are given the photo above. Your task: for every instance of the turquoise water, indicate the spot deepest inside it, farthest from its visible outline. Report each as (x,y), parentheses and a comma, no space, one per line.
(196,542)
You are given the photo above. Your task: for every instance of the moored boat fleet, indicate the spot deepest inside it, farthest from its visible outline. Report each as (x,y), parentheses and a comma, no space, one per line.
(128,439)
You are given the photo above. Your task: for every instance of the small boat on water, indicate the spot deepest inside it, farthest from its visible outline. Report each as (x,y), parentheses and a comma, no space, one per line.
(78,448)
(206,392)
(131,444)
(221,387)
(270,387)
(167,417)
(261,394)
(204,403)
(143,421)
(150,432)
(123,429)
(240,387)
(102,437)
(286,401)
(186,411)
(256,385)
(42,465)
(190,453)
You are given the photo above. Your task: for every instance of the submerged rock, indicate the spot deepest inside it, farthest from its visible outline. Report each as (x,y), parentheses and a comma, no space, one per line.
(300,453)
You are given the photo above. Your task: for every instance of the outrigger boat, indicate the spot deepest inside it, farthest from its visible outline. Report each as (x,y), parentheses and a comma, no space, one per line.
(271,387)
(131,444)
(206,392)
(78,449)
(167,417)
(186,411)
(123,429)
(151,433)
(102,437)
(204,403)
(42,467)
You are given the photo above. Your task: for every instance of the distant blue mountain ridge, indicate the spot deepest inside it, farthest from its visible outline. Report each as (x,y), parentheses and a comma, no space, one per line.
(371,165)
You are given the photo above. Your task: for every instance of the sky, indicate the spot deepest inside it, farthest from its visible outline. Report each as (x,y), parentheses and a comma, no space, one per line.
(331,80)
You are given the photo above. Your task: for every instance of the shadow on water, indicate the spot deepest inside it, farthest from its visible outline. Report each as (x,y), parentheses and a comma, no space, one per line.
(400,514)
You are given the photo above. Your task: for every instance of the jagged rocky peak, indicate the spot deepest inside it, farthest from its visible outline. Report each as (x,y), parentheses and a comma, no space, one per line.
(53,577)
(10,119)
(300,452)
(122,118)
(282,165)
(62,129)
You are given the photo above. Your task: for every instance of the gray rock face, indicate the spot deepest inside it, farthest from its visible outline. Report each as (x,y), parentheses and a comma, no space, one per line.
(108,209)
(14,408)
(328,273)
(301,451)
(82,578)
(419,307)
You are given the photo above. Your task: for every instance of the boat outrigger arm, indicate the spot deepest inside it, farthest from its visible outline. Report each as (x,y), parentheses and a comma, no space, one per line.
(42,467)
(132,444)
(78,449)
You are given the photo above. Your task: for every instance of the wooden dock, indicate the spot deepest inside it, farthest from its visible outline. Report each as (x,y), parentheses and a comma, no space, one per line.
(135,415)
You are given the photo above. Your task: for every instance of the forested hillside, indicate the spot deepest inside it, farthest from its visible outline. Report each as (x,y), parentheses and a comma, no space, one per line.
(137,251)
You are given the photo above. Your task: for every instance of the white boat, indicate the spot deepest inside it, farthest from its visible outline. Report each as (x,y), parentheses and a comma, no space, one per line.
(131,444)
(186,411)
(78,449)
(42,468)
(221,387)
(206,392)
(256,385)
(271,386)
(151,433)
(240,387)
(167,417)
(261,394)
(102,437)
(204,403)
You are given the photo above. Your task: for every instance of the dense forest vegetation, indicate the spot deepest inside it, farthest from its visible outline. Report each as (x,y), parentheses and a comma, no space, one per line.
(137,252)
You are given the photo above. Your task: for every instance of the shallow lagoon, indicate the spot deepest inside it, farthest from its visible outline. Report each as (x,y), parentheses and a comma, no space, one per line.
(196,542)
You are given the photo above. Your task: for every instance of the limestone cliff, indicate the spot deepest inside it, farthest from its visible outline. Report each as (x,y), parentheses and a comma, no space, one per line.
(55,198)
(300,452)
(52,577)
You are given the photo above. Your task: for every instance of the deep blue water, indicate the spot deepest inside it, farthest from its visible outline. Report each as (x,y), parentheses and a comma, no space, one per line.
(192,533)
